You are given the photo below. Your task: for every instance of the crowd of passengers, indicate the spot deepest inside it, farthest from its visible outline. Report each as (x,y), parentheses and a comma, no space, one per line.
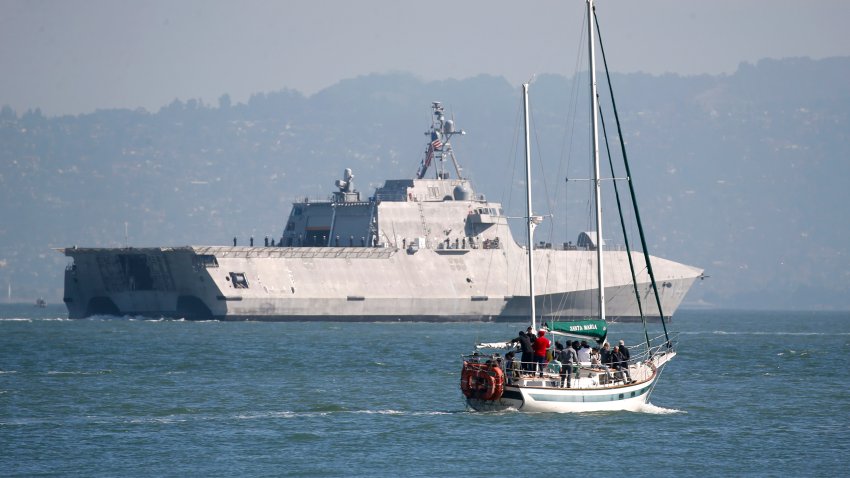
(537,357)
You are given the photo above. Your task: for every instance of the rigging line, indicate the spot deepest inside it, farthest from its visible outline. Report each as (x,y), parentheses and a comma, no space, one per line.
(631,184)
(512,160)
(623,226)
(540,165)
(572,102)
(570,133)
(568,142)
(657,379)
(541,262)
(509,187)
(567,145)
(562,301)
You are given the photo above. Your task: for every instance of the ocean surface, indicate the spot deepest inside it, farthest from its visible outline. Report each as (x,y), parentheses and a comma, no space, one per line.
(751,393)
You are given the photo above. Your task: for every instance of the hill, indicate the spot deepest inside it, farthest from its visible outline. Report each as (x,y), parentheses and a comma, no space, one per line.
(741,174)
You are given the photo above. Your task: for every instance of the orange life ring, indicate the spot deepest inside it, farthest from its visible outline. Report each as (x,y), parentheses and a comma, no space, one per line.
(465,374)
(482,381)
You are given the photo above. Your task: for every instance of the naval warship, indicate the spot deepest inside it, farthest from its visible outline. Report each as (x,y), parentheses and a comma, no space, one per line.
(420,249)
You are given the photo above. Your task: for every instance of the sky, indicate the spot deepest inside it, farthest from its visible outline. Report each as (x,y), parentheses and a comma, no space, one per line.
(76,56)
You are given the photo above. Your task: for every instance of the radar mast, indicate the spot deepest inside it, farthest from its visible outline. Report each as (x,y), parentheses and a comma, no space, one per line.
(439,147)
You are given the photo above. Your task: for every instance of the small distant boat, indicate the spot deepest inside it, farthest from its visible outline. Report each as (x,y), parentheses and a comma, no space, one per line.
(492,382)
(41,303)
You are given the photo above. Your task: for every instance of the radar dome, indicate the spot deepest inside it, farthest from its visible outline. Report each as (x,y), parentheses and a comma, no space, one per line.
(462,192)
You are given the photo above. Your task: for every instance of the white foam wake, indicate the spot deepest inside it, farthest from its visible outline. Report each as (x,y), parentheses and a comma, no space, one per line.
(656,410)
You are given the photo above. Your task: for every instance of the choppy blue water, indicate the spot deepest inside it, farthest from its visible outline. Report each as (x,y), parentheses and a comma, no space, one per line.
(762,393)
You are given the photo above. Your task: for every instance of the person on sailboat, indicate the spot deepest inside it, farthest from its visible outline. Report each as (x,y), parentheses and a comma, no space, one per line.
(512,367)
(584,353)
(605,354)
(624,350)
(596,362)
(541,345)
(569,359)
(620,362)
(525,344)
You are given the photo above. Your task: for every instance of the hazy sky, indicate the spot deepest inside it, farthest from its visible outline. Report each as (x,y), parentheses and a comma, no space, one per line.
(73,56)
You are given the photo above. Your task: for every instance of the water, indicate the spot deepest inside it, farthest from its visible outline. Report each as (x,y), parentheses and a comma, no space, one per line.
(764,394)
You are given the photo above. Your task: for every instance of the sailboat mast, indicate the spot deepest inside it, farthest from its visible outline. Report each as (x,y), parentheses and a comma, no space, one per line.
(529,217)
(594,113)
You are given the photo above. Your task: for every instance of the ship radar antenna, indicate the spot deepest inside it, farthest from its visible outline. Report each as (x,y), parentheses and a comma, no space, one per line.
(439,146)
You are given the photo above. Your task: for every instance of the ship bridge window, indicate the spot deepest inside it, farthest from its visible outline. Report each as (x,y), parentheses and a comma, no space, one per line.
(238,280)
(204,261)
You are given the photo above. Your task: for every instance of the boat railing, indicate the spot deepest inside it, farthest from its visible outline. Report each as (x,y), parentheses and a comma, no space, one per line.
(660,345)
(582,376)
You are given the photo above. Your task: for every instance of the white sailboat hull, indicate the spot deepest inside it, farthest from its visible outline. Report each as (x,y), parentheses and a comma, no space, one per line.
(546,396)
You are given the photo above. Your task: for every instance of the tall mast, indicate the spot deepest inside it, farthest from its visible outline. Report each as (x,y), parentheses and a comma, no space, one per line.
(594,112)
(529,217)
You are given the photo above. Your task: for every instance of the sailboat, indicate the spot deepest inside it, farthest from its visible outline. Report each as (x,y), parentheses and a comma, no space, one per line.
(493,382)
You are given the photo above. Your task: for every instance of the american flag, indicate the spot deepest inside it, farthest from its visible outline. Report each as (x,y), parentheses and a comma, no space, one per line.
(429,155)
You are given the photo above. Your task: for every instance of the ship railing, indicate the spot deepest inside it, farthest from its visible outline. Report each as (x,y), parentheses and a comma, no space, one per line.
(403,197)
(570,246)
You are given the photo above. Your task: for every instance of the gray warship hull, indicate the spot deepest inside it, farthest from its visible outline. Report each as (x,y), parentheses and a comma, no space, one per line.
(418,249)
(381,284)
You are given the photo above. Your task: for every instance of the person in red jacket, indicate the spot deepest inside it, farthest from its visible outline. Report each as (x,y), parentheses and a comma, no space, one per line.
(541,345)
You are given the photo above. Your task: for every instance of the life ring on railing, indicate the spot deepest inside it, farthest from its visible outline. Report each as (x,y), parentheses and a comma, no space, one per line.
(482,381)
(465,374)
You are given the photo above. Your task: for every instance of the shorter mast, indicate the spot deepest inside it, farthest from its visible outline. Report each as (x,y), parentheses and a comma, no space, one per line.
(529,217)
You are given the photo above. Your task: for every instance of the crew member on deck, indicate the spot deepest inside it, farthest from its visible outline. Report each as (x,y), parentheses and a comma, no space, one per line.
(541,345)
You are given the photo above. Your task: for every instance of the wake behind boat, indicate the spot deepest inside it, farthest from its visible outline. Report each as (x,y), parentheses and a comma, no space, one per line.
(578,377)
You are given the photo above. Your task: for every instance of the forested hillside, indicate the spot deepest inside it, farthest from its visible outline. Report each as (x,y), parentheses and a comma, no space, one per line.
(742,174)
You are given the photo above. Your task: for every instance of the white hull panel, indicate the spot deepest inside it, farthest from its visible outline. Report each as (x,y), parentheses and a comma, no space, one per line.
(626,398)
